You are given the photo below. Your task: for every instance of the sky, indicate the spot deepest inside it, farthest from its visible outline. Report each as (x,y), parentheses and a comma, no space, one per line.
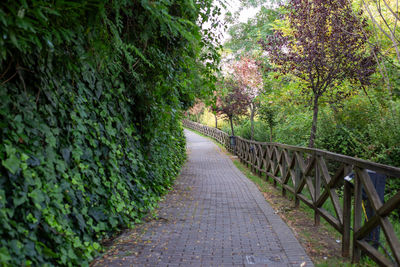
(245,14)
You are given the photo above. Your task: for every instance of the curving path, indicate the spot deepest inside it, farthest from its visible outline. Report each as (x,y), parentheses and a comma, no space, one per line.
(215,216)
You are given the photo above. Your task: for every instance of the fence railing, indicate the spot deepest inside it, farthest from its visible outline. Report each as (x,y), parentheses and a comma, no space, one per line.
(321,179)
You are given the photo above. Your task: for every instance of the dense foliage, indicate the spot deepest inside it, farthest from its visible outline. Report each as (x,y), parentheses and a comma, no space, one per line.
(359,109)
(359,119)
(234,102)
(324,45)
(244,36)
(91,93)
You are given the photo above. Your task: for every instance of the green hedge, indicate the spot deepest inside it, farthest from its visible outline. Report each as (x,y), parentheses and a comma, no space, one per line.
(91,96)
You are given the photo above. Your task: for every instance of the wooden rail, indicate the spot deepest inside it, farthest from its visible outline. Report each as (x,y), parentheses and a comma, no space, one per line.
(316,176)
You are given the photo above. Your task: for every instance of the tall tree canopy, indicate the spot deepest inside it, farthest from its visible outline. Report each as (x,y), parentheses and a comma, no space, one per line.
(323,45)
(245,35)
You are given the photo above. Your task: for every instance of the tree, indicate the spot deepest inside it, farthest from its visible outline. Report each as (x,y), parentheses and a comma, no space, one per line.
(385,18)
(245,35)
(246,71)
(324,45)
(215,106)
(234,102)
(268,114)
(197,109)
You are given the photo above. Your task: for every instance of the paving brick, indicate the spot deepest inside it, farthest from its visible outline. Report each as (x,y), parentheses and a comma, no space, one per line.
(214,216)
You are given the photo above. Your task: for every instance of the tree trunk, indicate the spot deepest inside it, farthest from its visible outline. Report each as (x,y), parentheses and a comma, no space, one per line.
(252,112)
(216,121)
(314,122)
(231,120)
(270,134)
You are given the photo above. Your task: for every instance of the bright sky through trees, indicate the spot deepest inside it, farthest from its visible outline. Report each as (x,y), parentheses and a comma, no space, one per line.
(233,7)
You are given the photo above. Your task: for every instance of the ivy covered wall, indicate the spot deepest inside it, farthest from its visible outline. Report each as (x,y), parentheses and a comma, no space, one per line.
(91,95)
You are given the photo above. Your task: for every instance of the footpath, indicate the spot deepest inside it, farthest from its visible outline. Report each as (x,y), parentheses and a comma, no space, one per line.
(214,216)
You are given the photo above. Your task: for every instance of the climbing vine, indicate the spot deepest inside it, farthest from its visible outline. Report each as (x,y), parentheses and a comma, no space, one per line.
(91,93)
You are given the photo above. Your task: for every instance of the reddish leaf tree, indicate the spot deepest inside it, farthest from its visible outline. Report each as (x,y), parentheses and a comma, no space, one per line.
(197,109)
(326,46)
(234,102)
(247,72)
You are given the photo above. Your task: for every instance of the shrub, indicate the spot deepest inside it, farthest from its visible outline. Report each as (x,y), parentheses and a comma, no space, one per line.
(292,129)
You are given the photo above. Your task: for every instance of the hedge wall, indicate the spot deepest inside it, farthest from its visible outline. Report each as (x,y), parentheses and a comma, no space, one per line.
(91,96)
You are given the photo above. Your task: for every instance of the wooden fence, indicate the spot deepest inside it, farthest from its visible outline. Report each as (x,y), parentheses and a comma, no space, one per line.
(316,177)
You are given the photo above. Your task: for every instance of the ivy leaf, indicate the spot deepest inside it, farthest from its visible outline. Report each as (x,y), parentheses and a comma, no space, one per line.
(33,161)
(66,154)
(11,164)
(14,40)
(37,196)
(4,255)
(47,251)
(81,221)
(97,214)
(96,245)
(19,201)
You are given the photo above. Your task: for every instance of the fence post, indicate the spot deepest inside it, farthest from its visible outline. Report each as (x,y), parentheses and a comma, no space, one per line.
(357,216)
(283,157)
(317,191)
(346,219)
(297,179)
(275,160)
(267,162)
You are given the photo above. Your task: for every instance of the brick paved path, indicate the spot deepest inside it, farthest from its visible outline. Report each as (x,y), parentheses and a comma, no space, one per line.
(215,216)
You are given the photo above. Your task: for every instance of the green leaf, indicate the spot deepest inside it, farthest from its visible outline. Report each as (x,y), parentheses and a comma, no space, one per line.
(14,40)
(37,196)
(96,246)
(4,255)
(18,201)
(11,164)
(47,251)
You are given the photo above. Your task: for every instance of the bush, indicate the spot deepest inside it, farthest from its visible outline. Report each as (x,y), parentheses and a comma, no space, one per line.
(362,131)
(261,131)
(384,136)
(336,137)
(294,129)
